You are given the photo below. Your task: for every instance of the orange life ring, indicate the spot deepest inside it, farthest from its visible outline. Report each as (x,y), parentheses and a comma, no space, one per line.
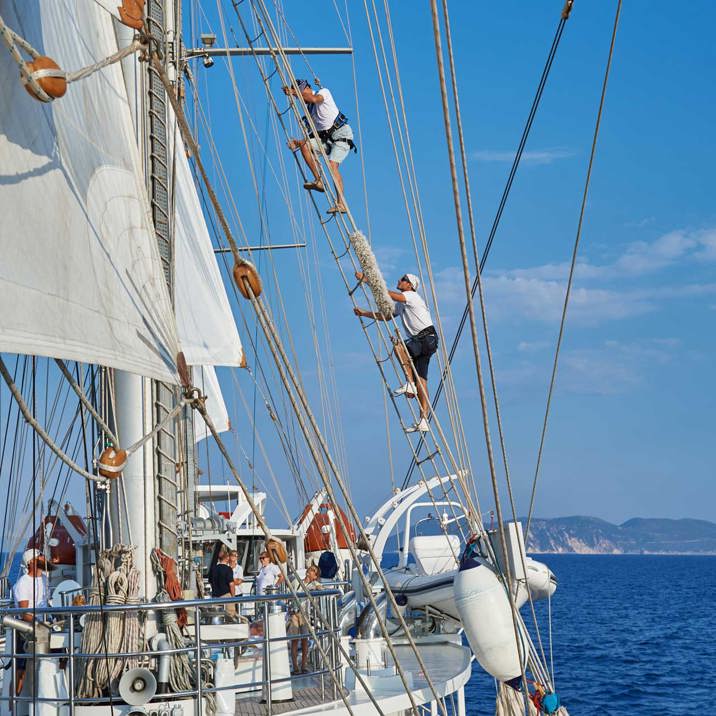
(111,463)
(277,551)
(53,86)
(131,13)
(246,272)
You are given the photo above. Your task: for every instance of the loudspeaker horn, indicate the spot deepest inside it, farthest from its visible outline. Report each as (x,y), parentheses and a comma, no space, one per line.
(137,686)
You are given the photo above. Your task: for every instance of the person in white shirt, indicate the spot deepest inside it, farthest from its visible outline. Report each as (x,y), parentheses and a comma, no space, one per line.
(421,343)
(269,575)
(236,568)
(30,592)
(334,133)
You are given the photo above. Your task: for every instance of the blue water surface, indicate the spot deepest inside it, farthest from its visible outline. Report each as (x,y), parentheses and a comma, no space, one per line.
(631,634)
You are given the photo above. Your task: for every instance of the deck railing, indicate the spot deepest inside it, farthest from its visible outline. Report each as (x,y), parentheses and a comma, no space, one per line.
(65,622)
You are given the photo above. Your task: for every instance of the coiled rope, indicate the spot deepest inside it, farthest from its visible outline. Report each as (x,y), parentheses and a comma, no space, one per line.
(113,632)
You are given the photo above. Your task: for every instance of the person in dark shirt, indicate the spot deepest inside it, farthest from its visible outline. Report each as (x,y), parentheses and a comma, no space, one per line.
(221,579)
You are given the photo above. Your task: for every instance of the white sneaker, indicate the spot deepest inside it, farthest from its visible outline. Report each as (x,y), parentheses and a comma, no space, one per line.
(421,426)
(407,390)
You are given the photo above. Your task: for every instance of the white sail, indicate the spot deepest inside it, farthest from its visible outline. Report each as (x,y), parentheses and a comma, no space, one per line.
(111,6)
(205,323)
(206,380)
(80,276)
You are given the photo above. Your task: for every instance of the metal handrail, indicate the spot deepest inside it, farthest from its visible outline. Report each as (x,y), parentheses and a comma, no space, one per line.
(105,608)
(195,646)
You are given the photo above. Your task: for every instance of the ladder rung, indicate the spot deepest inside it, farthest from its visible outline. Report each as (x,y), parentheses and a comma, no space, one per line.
(428,457)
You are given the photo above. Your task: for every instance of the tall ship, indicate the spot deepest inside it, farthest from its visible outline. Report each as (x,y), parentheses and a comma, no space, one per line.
(128,278)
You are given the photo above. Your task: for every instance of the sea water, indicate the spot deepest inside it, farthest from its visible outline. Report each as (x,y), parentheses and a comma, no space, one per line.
(631,634)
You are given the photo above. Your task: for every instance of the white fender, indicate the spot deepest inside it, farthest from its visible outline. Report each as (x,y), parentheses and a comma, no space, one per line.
(540,580)
(486,616)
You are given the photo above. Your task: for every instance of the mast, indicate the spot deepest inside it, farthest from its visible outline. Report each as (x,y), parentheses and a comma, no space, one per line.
(152,475)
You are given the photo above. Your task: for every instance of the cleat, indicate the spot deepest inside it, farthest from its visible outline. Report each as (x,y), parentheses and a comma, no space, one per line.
(408,390)
(420,427)
(316,185)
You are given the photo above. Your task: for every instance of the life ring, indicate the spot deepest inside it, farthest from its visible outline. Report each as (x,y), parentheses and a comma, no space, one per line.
(131,13)
(111,463)
(277,551)
(48,74)
(246,272)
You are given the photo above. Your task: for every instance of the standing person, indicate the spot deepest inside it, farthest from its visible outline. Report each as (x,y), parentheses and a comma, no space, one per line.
(30,592)
(236,568)
(334,133)
(269,575)
(297,625)
(421,343)
(238,573)
(221,578)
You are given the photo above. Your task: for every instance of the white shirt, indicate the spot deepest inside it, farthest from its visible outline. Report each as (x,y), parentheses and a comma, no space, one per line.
(238,572)
(325,113)
(414,313)
(33,590)
(267,577)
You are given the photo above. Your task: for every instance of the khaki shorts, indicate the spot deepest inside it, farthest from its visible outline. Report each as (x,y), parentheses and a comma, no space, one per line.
(336,151)
(297,624)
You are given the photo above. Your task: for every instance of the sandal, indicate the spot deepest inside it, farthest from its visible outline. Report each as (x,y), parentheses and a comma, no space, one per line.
(337,209)
(315,185)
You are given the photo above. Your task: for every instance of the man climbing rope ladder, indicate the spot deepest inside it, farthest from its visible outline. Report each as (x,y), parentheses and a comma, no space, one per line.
(422,342)
(334,132)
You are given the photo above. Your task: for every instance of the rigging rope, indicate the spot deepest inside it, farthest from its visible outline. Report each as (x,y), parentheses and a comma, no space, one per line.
(345,224)
(488,345)
(573,263)
(27,414)
(503,201)
(473,328)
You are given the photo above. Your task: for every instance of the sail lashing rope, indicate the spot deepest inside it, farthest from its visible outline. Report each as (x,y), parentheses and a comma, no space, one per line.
(42,76)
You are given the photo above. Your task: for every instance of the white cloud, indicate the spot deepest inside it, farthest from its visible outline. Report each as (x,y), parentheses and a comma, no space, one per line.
(601,292)
(613,367)
(538,156)
(643,257)
(608,368)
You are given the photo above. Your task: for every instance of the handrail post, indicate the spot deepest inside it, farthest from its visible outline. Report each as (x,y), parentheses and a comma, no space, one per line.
(71,664)
(267,657)
(334,643)
(197,630)
(13,686)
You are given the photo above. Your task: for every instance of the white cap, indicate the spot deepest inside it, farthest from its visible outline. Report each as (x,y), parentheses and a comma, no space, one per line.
(29,554)
(414,280)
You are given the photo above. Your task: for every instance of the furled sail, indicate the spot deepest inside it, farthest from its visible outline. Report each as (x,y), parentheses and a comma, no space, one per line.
(205,323)
(80,276)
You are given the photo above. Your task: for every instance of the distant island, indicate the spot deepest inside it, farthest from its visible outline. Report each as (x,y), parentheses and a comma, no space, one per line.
(590,535)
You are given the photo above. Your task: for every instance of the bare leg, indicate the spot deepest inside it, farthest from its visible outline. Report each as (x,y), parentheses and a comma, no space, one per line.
(401,353)
(294,654)
(304,653)
(340,199)
(310,159)
(423,397)
(20,682)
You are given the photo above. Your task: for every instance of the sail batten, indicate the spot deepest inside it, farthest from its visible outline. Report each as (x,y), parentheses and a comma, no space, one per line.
(81,278)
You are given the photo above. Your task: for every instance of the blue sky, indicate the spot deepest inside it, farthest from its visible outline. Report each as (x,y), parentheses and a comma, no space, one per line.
(631,429)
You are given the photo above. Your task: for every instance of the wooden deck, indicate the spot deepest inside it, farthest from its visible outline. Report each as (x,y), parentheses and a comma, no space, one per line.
(307,691)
